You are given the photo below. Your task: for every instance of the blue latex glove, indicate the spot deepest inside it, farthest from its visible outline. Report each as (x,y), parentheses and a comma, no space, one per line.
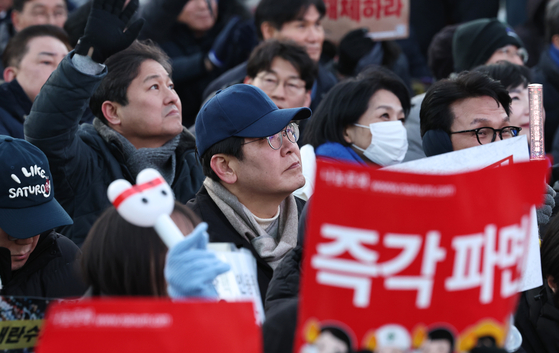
(190,268)
(223,44)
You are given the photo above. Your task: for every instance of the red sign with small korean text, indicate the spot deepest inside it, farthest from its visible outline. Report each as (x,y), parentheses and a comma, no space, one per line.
(385,19)
(150,325)
(390,256)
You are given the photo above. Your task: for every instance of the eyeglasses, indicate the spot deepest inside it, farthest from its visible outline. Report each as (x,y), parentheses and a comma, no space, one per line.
(487,135)
(276,141)
(511,51)
(292,86)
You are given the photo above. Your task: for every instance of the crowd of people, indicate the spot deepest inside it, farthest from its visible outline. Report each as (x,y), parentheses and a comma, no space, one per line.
(233,109)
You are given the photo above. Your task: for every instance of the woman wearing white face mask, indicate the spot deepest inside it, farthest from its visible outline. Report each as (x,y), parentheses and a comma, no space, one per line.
(360,121)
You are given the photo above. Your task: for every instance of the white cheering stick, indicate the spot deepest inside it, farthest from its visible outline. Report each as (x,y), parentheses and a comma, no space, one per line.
(149,203)
(535,100)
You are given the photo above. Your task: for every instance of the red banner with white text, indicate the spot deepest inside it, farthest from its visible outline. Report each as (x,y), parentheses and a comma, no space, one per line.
(391,257)
(385,19)
(150,325)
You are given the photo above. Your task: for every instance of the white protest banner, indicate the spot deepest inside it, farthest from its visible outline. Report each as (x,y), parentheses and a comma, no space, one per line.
(483,156)
(241,282)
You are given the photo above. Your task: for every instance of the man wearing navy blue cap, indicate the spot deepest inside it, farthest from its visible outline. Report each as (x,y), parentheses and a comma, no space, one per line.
(249,153)
(34,260)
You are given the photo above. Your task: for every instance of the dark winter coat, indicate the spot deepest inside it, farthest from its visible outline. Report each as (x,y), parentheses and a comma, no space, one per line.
(537,319)
(82,163)
(221,231)
(282,301)
(547,73)
(14,107)
(50,271)
(188,51)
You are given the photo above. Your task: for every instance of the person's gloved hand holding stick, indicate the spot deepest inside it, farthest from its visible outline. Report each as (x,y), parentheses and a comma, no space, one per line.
(106,31)
(190,268)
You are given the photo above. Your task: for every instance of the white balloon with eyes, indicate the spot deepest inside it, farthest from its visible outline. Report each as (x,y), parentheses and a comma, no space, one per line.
(149,203)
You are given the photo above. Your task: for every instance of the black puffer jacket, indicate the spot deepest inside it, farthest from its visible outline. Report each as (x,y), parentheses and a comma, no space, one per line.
(50,271)
(537,319)
(82,163)
(282,302)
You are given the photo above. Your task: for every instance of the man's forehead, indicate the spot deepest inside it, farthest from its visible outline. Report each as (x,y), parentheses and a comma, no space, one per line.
(306,14)
(151,70)
(479,110)
(282,70)
(44,46)
(45,3)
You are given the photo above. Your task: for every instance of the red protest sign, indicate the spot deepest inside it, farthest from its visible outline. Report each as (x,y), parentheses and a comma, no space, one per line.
(391,256)
(150,325)
(385,19)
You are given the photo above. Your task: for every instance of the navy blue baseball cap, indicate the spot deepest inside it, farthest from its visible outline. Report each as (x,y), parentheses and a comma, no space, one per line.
(27,204)
(243,111)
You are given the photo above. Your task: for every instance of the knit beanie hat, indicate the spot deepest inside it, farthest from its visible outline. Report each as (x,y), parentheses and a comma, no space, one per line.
(475,42)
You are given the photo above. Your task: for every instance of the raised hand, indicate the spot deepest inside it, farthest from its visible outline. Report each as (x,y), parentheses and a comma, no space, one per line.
(106,31)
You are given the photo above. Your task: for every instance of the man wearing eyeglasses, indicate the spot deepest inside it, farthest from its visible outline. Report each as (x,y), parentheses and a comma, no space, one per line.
(466,111)
(249,154)
(284,71)
(469,110)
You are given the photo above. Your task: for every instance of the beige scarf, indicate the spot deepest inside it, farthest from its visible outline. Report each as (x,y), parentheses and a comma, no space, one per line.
(271,249)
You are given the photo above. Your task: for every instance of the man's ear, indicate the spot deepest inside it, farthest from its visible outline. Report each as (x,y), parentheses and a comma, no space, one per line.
(248,81)
(10,73)
(268,31)
(222,166)
(307,102)
(555,41)
(15,20)
(551,283)
(110,111)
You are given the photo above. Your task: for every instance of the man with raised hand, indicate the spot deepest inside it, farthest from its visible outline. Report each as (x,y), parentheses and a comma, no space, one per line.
(137,124)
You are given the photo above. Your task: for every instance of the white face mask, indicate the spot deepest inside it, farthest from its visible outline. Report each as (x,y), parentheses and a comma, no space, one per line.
(389,143)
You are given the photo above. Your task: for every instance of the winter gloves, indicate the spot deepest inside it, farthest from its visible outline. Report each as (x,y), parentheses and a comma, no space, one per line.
(190,268)
(544,212)
(106,31)
(235,41)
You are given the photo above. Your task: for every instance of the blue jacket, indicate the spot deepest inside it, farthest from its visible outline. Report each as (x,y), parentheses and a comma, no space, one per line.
(339,152)
(81,162)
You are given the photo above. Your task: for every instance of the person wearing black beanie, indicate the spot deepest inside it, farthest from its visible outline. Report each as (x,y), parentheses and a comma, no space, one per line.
(476,42)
